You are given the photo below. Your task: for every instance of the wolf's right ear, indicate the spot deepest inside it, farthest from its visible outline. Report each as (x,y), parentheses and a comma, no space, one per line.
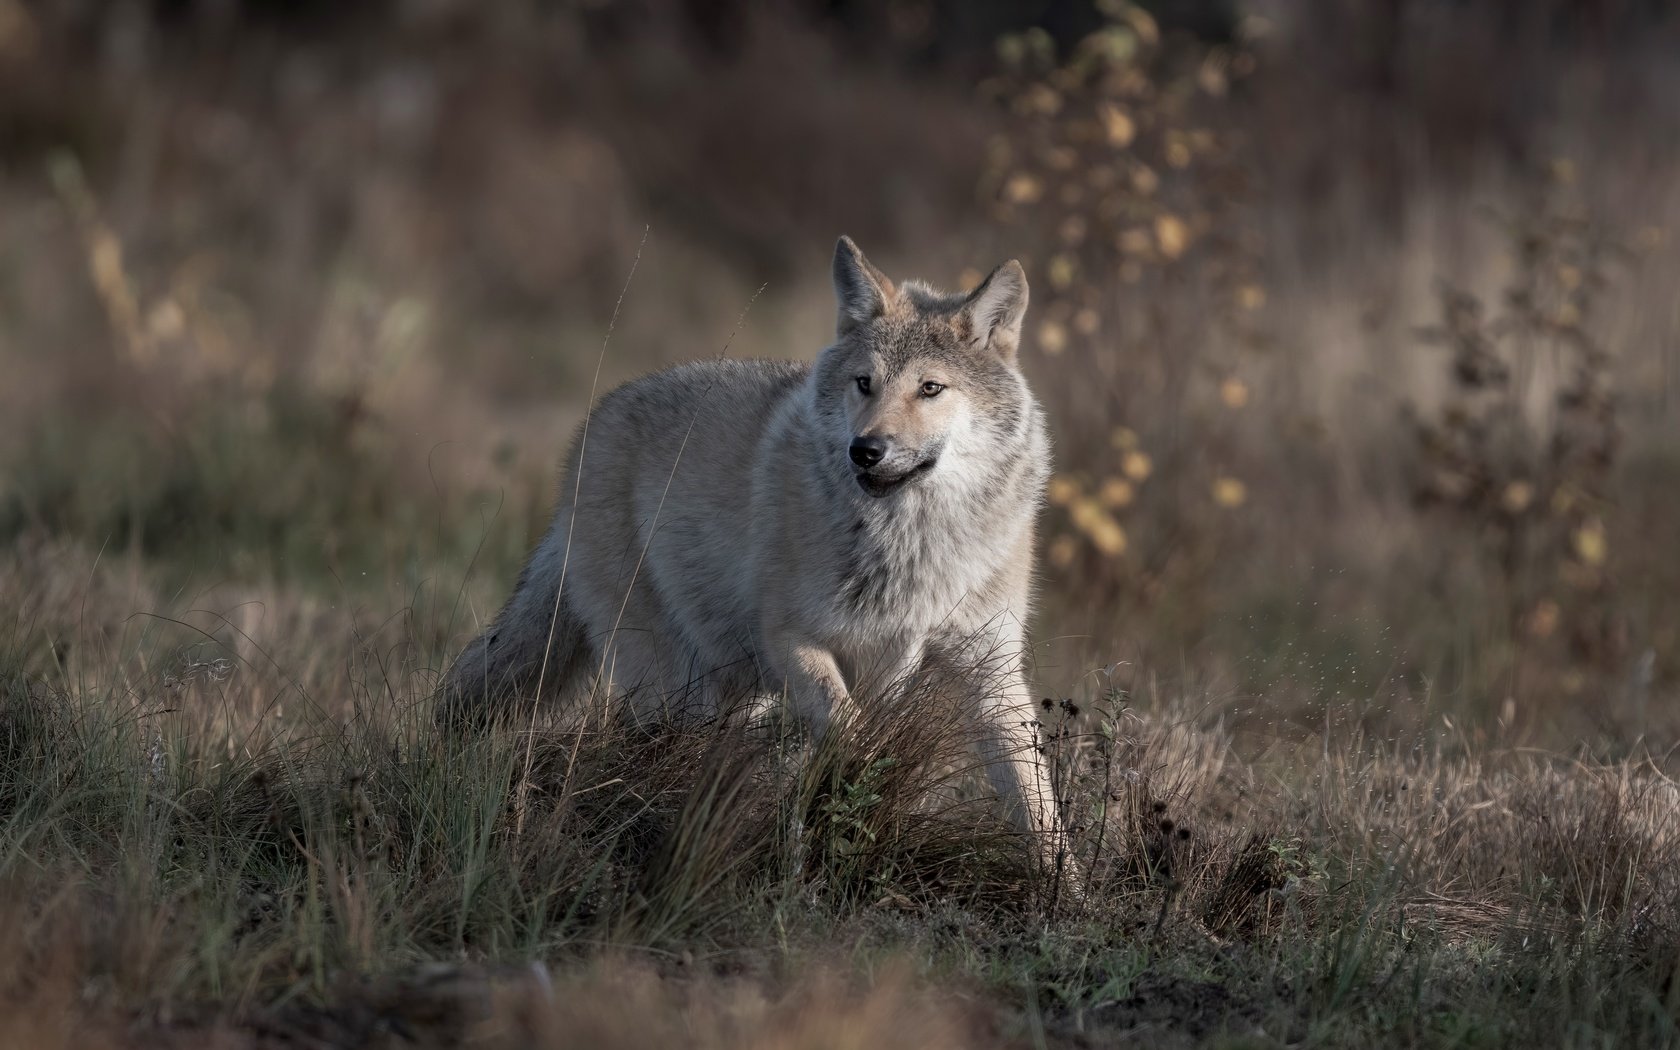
(860,290)
(995,310)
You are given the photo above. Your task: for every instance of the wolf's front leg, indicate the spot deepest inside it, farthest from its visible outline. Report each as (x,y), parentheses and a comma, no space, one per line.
(1011,748)
(816,690)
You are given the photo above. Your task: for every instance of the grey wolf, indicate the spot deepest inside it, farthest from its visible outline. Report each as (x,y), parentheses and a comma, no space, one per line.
(730,529)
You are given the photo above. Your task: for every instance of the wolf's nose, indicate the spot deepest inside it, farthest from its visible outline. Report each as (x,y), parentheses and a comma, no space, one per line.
(868,451)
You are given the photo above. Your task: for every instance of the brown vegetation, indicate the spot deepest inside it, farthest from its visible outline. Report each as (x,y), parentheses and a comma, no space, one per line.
(1356,327)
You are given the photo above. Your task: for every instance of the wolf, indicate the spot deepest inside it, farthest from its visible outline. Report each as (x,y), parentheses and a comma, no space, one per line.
(732,529)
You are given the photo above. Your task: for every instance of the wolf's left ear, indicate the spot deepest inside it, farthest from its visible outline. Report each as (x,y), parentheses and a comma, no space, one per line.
(995,310)
(860,290)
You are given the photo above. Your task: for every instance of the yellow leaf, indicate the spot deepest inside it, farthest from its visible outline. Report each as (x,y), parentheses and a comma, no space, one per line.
(1062,551)
(1136,465)
(1229,492)
(1123,438)
(166,321)
(1062,271)
(1062,490)
(1143,24)
(1251,297)
(1234,392)
(1085,512)
(1099,527)
(1178,151)
(1042,99)
(1517,497)
(1591,544)
(1107,536)
(1116,492)
(1117,125)
(1052,337)
(1212,78)
(1171,235)
(1022,188)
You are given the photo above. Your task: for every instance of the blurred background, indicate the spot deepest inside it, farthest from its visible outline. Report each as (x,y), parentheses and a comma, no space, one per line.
(1356,322)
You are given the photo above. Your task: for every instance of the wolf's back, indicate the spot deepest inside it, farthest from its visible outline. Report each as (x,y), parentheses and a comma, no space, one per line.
(711,406)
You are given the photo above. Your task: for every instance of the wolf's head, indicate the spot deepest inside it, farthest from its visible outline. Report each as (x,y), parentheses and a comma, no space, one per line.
(919,382)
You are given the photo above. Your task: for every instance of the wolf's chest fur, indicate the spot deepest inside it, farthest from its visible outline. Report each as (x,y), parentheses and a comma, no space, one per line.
(897,572)
(931,561)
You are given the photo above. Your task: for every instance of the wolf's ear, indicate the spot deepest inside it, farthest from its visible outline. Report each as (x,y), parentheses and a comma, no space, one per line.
(860,290)
(994,310)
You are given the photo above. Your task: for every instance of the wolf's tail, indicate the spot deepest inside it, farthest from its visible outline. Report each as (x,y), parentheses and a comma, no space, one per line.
(537,645)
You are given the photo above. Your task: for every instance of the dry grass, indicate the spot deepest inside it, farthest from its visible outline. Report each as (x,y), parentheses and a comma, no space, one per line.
(285,378)
(234,857)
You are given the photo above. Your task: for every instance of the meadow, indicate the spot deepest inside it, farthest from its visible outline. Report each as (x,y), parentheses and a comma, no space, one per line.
(1358,634)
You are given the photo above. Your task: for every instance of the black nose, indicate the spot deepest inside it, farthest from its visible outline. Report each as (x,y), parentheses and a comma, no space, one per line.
(868,451)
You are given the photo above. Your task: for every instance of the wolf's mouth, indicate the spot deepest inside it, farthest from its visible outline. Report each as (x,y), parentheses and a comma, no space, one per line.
(879,483)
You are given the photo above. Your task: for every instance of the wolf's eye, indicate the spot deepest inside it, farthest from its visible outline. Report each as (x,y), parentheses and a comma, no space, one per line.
(863,385)
(932,389)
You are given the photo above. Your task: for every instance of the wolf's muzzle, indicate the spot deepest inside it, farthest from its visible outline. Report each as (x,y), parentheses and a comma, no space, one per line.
(879,483)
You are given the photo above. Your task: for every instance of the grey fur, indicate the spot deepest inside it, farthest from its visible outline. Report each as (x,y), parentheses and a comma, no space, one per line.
(718,544)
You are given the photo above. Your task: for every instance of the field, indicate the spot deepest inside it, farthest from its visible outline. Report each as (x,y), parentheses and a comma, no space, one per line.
(1358,627)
